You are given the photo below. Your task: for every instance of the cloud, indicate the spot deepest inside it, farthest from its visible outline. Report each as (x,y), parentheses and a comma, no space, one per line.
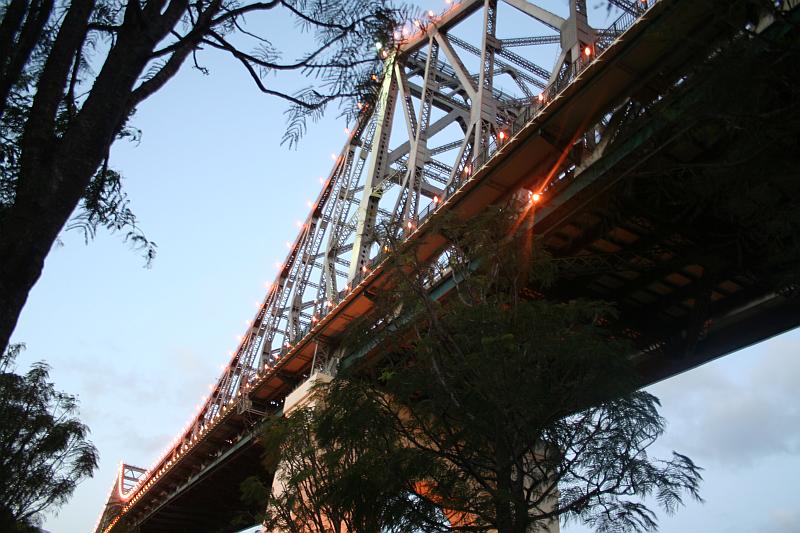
(734,412)
(784,520)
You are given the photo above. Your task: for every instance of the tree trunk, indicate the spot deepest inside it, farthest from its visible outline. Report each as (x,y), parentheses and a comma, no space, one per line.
(28,231)
(56,171)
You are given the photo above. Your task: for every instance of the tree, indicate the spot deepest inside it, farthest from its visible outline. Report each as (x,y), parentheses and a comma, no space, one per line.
(518,412)
(44,453)
(72,74)
(347,483)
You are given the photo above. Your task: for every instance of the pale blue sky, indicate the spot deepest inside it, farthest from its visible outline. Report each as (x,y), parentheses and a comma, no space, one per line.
(211,185)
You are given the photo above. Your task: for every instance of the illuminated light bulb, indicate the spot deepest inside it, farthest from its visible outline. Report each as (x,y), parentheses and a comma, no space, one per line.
(408,225)
(448,1)
(397,35)
(298,223)
(587,51)
(386,248)
(278,266)
(540,97)
(364,268)
(417,23)
(431,14)
(347,131)
(501,135)
(378,45)
(536,197)
(322,180)
(467,169)
(384,54)
(333,156)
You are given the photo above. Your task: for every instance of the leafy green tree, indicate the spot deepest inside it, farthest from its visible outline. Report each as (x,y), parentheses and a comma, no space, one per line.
(73,73)
(520,412)
(348,482)
(44,451)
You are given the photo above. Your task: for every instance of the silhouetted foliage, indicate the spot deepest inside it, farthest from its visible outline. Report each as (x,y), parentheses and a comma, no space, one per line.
(348,482)
(44,451)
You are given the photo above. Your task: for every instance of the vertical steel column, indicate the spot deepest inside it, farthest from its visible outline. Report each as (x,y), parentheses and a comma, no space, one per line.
(368,208)
(484,109)
(406,207)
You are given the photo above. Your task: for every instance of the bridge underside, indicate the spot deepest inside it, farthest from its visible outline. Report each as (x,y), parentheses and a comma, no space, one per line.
(212,501)
(690,228)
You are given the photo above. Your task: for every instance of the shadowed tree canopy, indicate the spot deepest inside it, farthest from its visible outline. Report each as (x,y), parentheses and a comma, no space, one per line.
(513,413)
(345,484)
(72,74)
(44,453)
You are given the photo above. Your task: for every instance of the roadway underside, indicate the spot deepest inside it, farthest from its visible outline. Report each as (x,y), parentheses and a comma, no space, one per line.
(212,501)
(688,223)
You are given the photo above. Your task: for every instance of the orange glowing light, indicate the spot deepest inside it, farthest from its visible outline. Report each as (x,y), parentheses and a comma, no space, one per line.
(501,135)
(436,199)
(587,51)
(536,197)
(430,13)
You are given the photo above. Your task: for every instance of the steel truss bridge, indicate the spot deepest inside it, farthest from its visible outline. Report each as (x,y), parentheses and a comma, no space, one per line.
(463,122)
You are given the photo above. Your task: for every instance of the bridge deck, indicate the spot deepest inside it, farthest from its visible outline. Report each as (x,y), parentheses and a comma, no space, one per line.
(576,222)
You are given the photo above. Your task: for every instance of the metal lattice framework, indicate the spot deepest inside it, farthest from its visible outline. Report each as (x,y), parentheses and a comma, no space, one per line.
(128,479)
(447,101)
(452,115)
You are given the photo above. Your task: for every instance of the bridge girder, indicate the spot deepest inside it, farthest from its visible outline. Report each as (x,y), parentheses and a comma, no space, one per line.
(374,189)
